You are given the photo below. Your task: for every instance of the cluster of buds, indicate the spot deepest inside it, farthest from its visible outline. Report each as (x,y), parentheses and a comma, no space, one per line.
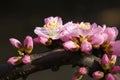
(23,50)
(82,37)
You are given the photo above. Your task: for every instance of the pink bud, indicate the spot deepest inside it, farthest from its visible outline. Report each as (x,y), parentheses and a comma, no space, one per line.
(15,43)
(82,70)
(113,60)
(41,40)
(14,60)
(116,69)
(70,45)
(26,59)
(105,59)
(98,75)
(74,78)
(86,46)
(28,42)
(109,77)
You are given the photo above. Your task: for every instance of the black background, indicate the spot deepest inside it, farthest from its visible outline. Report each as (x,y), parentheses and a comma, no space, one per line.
(18,18)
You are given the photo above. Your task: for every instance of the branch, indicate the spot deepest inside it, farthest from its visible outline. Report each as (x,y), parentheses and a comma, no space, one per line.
(50,60)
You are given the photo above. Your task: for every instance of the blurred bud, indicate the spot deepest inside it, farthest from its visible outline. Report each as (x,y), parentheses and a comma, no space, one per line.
(115,48)
(98,75)
(82,70)
(74,78)
(109,77)
(115,69)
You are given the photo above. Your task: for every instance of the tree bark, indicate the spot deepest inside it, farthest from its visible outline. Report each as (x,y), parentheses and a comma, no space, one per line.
(51,60)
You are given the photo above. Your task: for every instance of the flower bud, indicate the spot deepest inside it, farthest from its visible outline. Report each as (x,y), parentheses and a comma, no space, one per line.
(109,77)
(86,46)
(70,45)
(14,60)
(42,40)
(26,59)
(105,62)
(98,75)
(15,43)
(115,69)
(28,42)
(82,70)
(113,60)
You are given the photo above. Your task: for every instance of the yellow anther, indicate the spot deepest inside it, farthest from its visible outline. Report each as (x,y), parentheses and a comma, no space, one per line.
(85,26)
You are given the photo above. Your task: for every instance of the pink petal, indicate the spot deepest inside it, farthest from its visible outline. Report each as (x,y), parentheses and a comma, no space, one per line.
(28,42)
(15,43)
(70,45)
(26,59)
(86,46)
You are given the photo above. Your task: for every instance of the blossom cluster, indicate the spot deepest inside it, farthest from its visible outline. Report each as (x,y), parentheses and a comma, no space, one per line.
(83,37)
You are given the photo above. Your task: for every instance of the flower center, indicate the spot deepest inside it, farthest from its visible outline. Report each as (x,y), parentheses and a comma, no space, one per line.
(52,24)
(84,26)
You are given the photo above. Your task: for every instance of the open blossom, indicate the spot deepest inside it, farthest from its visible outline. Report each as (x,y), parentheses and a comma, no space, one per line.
(97,39)
(70,45)
(67,31)
(115,48)
(50,29)
(27,44)
(111,33)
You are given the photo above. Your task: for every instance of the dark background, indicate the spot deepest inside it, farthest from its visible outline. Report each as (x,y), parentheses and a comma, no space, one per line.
(18,18)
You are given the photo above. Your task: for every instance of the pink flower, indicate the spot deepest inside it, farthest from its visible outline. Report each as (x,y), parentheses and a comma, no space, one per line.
(115,69)
(97,39)
(98,75)
(26,59)
(15,43)
(14,60)
(111,33)
(41,40)
(105,59)
(67,31)
(115,48)
(28,42)
(51,28)
(86,46)
(109,77)
(70,45)
(82,70)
